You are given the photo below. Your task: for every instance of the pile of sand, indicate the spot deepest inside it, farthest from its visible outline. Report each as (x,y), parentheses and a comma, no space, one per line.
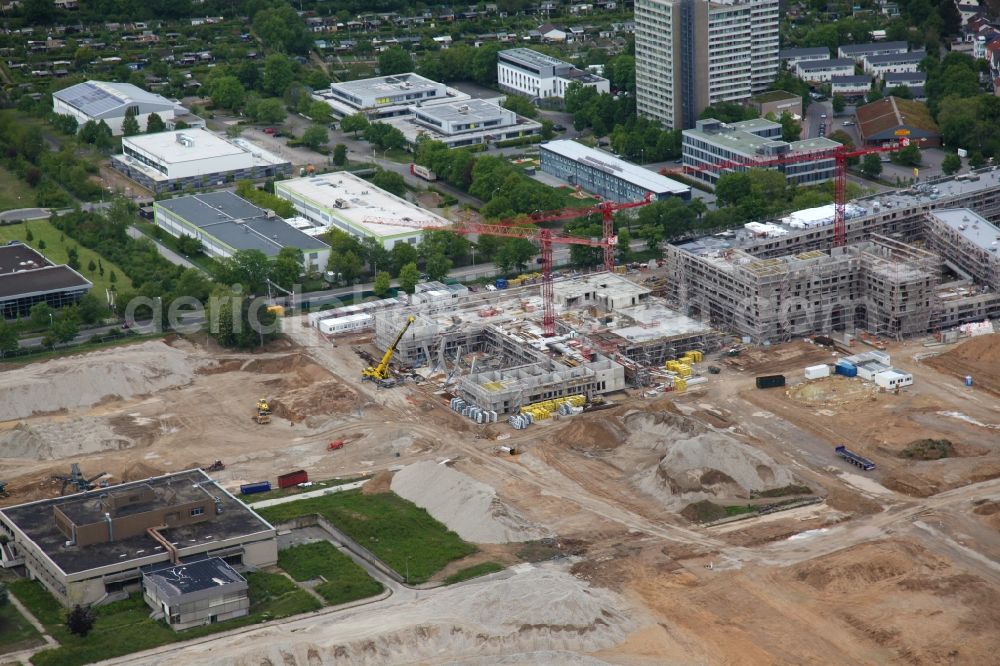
(319,399)
(86,379)
(469,508)
(536,617)
(679,460)
(978,357)
(49,440)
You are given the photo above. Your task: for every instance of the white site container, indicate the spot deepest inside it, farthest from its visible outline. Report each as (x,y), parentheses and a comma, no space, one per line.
(817,371)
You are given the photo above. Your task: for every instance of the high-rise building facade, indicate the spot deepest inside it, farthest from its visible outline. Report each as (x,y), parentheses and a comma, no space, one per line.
(690,54)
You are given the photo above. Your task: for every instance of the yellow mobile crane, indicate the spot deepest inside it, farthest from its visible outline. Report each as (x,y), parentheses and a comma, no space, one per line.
(380,372)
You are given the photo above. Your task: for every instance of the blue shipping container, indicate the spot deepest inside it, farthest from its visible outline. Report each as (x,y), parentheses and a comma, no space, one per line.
(501,283)
(846,370)
(252,488)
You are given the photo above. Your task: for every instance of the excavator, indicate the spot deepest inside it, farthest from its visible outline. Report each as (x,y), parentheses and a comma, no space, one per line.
(263,415)
(380,373)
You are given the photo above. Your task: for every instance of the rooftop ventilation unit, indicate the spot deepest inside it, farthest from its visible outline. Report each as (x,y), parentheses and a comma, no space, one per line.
(185,140)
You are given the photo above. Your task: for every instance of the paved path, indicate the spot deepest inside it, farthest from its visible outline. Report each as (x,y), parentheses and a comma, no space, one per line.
(165,251)
(24,656)
(312,493)
(21,214)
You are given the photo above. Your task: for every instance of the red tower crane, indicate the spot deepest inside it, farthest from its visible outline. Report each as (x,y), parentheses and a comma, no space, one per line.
(839,155)
(545,238)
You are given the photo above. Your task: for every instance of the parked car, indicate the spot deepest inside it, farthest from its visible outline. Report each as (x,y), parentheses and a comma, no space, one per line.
(270,130)
(559,128)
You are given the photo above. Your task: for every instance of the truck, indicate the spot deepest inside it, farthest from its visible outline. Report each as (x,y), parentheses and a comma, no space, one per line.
(293,478)
(770,381)
(854,458)
(423,172)
(254,488)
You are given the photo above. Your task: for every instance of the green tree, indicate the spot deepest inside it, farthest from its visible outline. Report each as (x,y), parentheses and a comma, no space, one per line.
(791,129)
(733,188)
(41,244)
(409,276)
(278,74)
(90,308)
(287,267)
(249,268)
(908,156)
(280,27)
(28,236)
(513,254)
(520,105)
(112,278)
(8,341)
(871,165)
(382,284)
(402,254)
(951,164)
(91,266)
(65,327)
(130,126)
(155,124)
(390,181)
(374,254)
(340,154)
(394,60)
(347,264)
(315,136)
(438,266)
(839,103)
(241,322)
(189,245)
(81,620)
(73,257)
(356,122)
(226,92)
(320,112)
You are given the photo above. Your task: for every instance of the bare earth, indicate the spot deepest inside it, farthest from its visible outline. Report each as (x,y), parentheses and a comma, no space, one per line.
(895,566)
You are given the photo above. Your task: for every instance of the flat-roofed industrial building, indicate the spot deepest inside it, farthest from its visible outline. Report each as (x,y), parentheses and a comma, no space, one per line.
(28,278)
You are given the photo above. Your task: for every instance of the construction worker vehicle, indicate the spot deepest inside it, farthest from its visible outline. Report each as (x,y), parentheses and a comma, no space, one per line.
(263,415)
(77,481)
(380,373)
(217,466)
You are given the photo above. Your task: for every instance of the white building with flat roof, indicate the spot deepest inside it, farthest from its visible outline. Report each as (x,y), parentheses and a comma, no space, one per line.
(386,96)
(467,123)
(194,158)
(610,177)
(819,71)
(111,102)
(537,75)
(341,200)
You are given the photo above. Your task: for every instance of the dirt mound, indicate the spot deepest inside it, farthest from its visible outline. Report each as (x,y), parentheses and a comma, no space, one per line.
(381,482)
(833,391)
(928,449)
(468,507)
(978,357)
(535,617)
(53,439)
(135,471)
(865,567)
(86,379)
(591,434)
(320,399)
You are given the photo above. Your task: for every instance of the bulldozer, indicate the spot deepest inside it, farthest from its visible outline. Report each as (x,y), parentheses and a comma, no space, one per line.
(263,414)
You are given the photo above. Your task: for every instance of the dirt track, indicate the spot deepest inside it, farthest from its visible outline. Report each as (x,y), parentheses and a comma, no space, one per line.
(895,567)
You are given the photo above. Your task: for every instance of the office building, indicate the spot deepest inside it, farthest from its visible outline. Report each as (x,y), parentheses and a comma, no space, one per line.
(821,71)
(606,175)
(693,53)
(777,102)
(28,278)
(350,203)
(749,141)
(537,75)
(91,547)
(111,102)
(467,123)
(195,593)
(386,96)
(194,159)
(226,223)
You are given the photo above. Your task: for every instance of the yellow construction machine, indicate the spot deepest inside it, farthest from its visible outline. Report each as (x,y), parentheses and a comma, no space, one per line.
(380,373)
(263,415)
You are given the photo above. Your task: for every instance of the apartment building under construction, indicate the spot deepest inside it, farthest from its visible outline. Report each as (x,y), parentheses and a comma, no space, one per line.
(916,261)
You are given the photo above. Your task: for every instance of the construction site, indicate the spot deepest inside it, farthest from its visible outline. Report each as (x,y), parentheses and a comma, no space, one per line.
(776,447)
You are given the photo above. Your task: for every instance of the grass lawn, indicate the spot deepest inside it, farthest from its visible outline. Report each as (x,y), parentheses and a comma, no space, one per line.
(399,532)
(14,192)
(474,571)
(16,633)
(207,264)
(55,250)
(124,627)
(343,580)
